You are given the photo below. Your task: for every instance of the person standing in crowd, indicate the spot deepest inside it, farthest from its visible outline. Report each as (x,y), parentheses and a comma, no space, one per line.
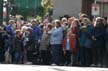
(25,40)
(29,44)
(11,35)
(99,42)
(106,39)
(45,46)
(18,48)
(66,24)
(2,45)
(86,42)
(8,44)
(70,44)
(36,34)
(105,53)
(75,29)
(56,43)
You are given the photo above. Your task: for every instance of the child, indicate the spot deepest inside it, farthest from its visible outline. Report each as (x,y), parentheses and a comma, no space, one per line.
(18,48)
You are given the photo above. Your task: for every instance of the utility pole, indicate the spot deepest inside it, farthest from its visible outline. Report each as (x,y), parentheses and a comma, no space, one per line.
(1,12)
(7,11)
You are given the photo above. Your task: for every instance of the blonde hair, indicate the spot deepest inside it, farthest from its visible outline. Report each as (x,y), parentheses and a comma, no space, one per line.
(18,31)
(86,20)
(83,15)
(75,22)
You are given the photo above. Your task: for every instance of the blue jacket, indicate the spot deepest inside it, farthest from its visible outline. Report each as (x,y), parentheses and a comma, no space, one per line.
(37,33)
(83,38)
(86,37)
(11,38)
(99,34)
(10,29)
(89,41)
(56,36)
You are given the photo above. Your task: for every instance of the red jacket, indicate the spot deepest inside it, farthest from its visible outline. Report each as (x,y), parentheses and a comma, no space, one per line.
(73,39)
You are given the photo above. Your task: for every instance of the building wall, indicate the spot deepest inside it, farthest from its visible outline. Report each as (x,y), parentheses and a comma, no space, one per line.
(86,7)
(70,7)
(103,4)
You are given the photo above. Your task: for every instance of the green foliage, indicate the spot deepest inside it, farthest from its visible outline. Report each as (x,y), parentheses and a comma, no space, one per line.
(28,11)
(40,11)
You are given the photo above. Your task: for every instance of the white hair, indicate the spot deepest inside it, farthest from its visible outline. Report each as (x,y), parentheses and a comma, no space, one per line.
(64,19)
(24,28)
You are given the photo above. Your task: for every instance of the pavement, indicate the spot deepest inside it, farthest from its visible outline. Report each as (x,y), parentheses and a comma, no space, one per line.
(12,67)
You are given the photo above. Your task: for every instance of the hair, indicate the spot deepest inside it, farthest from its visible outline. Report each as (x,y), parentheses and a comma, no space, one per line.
(64,19)
(50,26)
(84,15)
(100,20)
(105,18)
(58,23)
(18,31)
(75,21)
(87,20)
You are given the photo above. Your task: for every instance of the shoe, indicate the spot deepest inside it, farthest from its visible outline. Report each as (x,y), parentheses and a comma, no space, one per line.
(69,65)
(53,64)
(29,63)
(104,66)
(92,65)
(60,64)
(99,65)
(74,64)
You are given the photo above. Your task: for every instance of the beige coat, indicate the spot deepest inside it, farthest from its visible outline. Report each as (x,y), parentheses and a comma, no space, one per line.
(45,41)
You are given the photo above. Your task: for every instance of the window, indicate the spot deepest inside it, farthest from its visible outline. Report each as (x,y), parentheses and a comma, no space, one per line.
(103,9)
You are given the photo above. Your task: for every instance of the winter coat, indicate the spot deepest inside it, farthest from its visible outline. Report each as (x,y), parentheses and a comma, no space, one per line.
(56,36)
(99,34)
(83,36)
(86,36)
(89,41)
(45,41)
(2,42)
(18,44)
(73,39)
(30,44)
(10,30)
(37,33)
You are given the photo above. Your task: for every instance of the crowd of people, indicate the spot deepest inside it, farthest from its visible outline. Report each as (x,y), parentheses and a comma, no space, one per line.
(67,41)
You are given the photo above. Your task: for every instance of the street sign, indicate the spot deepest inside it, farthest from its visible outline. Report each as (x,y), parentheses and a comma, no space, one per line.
(95,9)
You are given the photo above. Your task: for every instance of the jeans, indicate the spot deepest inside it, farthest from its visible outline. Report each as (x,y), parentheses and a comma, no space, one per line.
(88,56)
(75,59)
(46,57)
(2,58)
(30,56)
(68,57)
(82,56)
(18,57)
(57,54)
(98,55)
